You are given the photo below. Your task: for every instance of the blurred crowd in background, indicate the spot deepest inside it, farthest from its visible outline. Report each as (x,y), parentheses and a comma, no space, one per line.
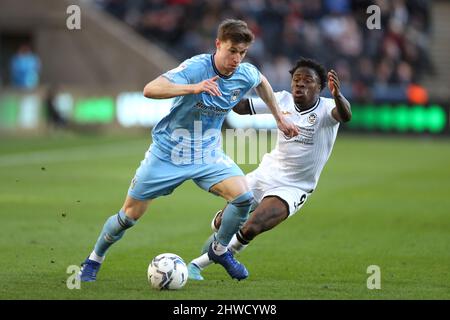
(333,32)
(373,64)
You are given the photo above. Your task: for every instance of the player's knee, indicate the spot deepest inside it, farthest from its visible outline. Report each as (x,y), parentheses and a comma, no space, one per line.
(244,202)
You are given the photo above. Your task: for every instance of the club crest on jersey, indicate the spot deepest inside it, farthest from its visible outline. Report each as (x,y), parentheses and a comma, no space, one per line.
(285,112)
(235,95)
(312,118)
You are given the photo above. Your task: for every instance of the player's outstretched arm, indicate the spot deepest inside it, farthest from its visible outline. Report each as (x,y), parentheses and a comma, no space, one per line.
(162,88)
(265,92)
(342,112)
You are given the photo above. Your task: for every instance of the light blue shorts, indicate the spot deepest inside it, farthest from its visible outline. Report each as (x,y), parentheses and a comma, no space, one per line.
(159,176)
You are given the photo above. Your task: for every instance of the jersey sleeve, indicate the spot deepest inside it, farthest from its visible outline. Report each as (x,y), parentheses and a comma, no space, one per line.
(258,106)
(330,105)
(252,74)
(185,73)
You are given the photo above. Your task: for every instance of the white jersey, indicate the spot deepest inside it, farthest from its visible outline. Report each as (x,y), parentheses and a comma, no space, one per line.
(298,162)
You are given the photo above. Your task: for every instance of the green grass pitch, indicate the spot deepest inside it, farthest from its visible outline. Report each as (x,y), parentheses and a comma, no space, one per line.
(381,201)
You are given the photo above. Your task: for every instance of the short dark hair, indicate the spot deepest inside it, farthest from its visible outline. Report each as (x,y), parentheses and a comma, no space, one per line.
(235,30)
(316,66)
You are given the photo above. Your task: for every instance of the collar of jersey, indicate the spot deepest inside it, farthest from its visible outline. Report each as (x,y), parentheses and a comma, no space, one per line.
(302,112)
(217,71)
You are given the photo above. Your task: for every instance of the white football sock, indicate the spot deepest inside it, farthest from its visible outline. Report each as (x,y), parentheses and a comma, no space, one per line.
(96,258)
(219,248)
(202,261)
(235,246)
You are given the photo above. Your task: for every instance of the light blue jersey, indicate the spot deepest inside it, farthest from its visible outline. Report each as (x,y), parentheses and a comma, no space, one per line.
(192,132)
(191,116)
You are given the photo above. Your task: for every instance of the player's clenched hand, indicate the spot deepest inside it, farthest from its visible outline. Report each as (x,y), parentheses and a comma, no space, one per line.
(333,83)
(288,128)
(209,86)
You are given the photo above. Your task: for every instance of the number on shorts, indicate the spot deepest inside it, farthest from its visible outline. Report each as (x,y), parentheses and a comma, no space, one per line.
(302,200)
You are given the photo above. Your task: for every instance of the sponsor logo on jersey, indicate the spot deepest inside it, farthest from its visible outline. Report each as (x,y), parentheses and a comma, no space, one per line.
(306,136)
(312,118)
(210,110)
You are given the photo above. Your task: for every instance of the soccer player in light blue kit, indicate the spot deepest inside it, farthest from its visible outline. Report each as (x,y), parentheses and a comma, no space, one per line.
(186,143)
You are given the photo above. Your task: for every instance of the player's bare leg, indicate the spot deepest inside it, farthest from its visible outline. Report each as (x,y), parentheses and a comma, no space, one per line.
(134,209)
(240,199)
(113,230)
(270,213)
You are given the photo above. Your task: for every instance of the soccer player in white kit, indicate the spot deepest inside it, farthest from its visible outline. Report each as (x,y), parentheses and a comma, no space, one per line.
(289,174)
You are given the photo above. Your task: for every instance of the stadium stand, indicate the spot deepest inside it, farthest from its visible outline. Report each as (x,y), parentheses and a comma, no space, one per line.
(104,52)
(371,63)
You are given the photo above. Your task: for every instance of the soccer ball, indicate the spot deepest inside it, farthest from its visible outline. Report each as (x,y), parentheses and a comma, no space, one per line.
(167,271)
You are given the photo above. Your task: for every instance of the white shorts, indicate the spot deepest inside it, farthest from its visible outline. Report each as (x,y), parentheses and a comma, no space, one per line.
(261,188)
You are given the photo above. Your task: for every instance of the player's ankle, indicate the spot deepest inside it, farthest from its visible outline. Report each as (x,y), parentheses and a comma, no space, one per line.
(94,257)
(218,248)
(243,238)
(237,244)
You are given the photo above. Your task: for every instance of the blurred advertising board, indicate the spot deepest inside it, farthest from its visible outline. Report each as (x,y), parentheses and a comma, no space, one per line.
(21,111)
